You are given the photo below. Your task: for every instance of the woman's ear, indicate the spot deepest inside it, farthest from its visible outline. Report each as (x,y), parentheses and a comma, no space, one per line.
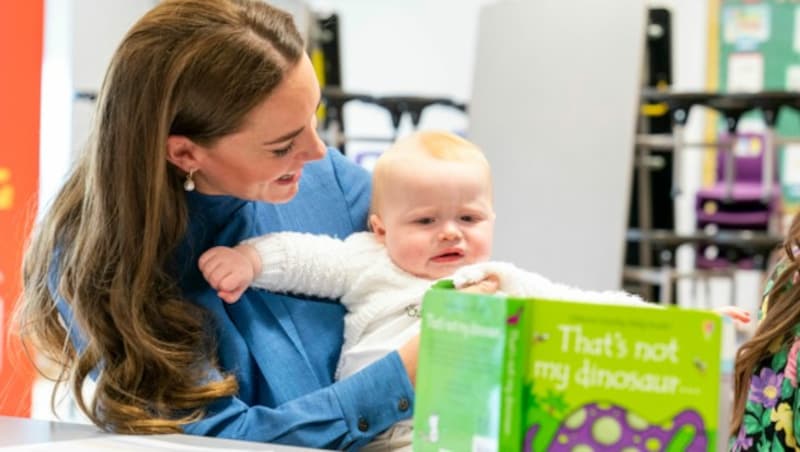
(376,225)
(183,153)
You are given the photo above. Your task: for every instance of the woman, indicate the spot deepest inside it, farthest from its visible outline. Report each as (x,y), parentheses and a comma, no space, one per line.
(205,125)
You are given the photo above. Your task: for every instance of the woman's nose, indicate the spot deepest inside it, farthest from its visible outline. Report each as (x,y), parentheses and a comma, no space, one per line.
(313,148)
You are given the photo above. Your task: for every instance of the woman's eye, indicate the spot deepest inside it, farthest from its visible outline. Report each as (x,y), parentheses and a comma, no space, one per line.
(283,151)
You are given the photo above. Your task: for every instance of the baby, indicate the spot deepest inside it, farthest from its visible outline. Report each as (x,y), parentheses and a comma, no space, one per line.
(431,218)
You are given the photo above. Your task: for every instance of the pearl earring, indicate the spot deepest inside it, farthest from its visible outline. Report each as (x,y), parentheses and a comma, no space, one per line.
(188,184)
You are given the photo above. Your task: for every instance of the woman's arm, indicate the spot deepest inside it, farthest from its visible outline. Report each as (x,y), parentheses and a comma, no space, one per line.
(344,415)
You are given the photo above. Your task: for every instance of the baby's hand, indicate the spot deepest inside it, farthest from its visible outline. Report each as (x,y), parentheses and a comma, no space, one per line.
(493,276)
(488,285)
(476,273)
(735,313)
(227,270)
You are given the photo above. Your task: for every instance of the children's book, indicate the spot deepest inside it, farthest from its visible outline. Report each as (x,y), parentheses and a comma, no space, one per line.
(502,374)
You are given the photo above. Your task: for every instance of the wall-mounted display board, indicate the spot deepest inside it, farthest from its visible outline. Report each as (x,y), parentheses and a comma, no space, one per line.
(756,47)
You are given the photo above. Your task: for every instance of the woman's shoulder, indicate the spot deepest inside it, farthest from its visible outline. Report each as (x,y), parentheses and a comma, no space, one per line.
(336,171)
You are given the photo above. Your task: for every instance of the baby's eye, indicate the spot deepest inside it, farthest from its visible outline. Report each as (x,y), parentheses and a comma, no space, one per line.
(469,218)
(424,221)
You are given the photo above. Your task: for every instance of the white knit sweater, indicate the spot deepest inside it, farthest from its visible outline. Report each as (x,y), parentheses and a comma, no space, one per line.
(377,293)
(358,270)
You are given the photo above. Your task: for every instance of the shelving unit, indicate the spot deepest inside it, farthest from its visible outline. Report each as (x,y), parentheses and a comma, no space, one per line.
(740,216)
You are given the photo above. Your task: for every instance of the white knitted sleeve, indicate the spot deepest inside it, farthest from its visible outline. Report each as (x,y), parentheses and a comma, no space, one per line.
(303,263)
(521,283)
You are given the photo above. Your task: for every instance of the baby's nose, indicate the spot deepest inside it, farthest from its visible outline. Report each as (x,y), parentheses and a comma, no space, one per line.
(449,232)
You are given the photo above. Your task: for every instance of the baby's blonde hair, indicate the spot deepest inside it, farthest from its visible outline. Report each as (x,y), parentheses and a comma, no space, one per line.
(435,144)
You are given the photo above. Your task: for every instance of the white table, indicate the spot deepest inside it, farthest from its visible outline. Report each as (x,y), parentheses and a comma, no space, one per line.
(16,431)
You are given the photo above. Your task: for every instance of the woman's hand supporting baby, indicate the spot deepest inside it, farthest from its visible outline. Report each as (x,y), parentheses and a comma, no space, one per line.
(230,271)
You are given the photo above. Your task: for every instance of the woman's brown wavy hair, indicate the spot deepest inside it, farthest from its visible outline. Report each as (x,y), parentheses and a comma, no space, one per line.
(188,67)
(776,328)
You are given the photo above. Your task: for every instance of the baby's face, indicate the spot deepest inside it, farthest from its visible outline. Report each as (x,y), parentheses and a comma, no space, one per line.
(437,217)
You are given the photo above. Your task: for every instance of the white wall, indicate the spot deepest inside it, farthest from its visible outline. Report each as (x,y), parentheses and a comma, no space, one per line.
(411,47)
(407,46)
(554,108)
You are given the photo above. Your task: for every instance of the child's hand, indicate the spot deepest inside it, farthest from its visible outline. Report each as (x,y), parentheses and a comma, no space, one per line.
(484,277)
(228,270)
(488,285)
(493,276)
(735,313)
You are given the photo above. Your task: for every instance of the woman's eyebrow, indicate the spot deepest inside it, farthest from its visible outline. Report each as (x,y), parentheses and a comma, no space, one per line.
(286,136)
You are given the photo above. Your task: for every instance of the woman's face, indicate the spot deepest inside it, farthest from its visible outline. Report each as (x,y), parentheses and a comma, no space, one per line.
(264,160)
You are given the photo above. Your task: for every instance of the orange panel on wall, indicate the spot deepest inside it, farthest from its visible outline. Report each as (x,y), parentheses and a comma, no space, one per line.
(21,39)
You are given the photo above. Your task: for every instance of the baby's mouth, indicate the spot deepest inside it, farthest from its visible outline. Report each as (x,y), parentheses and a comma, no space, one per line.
(448,256)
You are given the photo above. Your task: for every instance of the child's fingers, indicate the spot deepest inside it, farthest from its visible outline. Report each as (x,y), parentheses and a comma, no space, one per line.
(210,266)
(230,297)
(741,316)
(489,285)
(203,263)
(735,313)
(231,282)
(217,276)
(208,255)
(468,276)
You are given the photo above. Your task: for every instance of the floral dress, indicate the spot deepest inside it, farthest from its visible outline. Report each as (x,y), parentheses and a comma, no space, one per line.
(769,423)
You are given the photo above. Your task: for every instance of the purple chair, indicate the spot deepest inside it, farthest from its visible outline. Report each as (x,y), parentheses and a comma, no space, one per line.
(736,201)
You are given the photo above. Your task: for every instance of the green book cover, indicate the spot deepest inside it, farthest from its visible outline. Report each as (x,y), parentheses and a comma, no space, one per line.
(470,373)
(624,378)
(503,374)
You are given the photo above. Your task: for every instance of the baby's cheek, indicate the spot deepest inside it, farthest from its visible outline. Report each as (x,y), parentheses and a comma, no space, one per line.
(483,251)
(413,257)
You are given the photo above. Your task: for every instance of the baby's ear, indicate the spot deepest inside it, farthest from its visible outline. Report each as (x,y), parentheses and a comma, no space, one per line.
(376,226)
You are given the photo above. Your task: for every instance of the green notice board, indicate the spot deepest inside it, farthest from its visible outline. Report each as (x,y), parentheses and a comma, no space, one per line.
(759,50)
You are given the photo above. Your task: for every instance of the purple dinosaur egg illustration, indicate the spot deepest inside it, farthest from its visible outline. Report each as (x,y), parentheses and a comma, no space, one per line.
(604,427)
